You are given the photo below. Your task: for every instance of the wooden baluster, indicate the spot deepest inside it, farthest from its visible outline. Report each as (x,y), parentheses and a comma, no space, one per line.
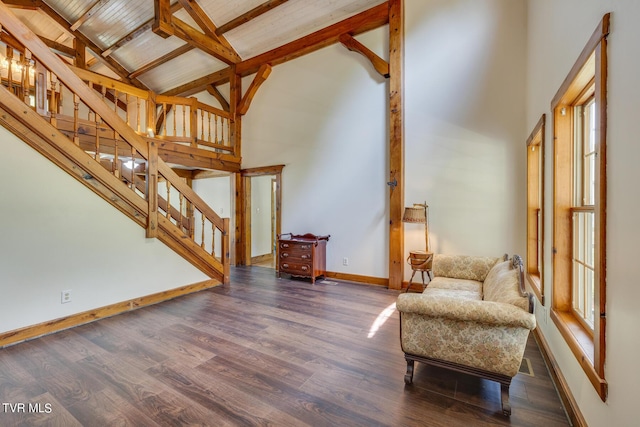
(9,60)
(215,124)
(116,136)
(202,238)
(127,112)
(222,119)
(59,98)
(192,220)
(181,207)
(52,98)
(20,66)
(133,164)
(76,124)
(213,240)
(89,110)
(228,132)
(26,88)
(184,121)
(175,121)
(164,119)
(138,114)
(97,122)
(168,199)
(208,125)
(202,125)
(116,161)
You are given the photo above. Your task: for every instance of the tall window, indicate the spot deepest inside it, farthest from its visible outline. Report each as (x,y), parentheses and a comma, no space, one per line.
(579,208)
(535,209)
(583,210)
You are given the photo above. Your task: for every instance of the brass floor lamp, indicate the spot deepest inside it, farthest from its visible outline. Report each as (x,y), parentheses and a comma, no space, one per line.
(419,260)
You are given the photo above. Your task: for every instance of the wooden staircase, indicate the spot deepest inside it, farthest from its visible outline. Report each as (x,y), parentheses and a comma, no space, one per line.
(115,140)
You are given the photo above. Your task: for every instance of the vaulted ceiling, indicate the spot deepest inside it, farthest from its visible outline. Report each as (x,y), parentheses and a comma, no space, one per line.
(184,46)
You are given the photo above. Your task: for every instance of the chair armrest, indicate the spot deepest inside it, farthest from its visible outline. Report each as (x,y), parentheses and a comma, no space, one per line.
(486,312)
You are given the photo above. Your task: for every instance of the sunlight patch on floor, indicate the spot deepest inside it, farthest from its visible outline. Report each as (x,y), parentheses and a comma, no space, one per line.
(382,317)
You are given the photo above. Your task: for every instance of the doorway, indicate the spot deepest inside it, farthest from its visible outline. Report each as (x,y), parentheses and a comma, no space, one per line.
(261,222)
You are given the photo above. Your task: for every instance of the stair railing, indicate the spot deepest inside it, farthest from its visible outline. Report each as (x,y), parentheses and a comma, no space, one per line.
(174,118)
(97,117)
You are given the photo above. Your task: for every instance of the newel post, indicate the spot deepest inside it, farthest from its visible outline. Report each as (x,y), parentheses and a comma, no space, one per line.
(151,190)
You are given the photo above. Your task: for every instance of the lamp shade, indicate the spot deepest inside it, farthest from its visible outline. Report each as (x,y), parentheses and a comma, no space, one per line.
(416,215)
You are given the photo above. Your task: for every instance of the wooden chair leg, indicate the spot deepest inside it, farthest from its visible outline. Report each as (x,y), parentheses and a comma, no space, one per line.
(504,396)
(408,377)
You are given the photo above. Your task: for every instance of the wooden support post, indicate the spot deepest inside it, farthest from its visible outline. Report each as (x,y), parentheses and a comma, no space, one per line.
(151,189)
(225,252)
(162,18)
(240,220)
(396,145)
(235,92)
(80,49)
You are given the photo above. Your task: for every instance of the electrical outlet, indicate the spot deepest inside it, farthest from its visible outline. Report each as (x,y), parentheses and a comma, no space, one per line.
(345,261)
(65,296)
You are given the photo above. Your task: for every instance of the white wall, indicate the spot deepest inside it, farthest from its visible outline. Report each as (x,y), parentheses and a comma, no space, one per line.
(325,116)
(58,235)
(465,65)
(558,31)
(217,193)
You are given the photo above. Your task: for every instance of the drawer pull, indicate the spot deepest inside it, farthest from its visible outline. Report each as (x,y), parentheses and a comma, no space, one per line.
(304,268)
(284,255)
(285,265)
(305,256)
(305,246)
(284,245)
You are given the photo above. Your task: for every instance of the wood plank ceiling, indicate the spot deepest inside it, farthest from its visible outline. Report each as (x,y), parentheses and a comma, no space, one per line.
(194,42)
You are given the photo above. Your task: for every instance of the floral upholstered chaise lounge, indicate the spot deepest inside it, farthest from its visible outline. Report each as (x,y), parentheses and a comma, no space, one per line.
(473,317)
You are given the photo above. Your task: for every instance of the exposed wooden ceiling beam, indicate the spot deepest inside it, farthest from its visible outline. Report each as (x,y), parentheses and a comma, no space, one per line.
(380,65)
(213,47)
(357,24)
(108,61)
(166,25)
(88,14)
(213,91)
(164,58)
(202,19)
(198,85)
(137,32)
(59,47)
(23,4)
(248,16)
(369,19)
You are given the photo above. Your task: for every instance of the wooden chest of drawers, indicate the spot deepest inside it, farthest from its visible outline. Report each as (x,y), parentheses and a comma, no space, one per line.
(302,255)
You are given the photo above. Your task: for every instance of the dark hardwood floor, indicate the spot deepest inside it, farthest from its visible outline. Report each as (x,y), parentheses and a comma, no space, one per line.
(263,351)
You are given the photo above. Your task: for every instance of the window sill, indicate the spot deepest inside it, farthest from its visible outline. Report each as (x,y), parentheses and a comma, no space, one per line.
(581,344)
(536,286)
